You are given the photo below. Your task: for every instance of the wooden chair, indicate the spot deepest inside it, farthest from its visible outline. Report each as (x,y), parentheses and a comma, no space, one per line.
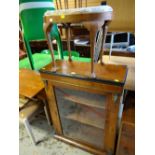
(27,113)
(63,4)
(22,52)
(32,12)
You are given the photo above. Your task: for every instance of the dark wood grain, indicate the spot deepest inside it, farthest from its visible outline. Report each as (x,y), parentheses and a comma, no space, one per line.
(78,84)
(126,145)
(53,107)
(93,21)
(78,18)
(110,127)
(110,73)
(130,63)
(126,139)
(81,145)
(111,91)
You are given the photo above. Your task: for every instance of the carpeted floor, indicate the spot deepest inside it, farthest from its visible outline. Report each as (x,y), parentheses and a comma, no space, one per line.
(48,145)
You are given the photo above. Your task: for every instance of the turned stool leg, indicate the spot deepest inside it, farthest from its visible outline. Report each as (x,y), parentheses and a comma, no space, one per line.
(93,28)
(105,29)
(51,49)
(47,29)
(68,40)
(92,50)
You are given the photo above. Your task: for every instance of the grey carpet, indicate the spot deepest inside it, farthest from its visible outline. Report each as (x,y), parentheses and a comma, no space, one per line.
(48,145)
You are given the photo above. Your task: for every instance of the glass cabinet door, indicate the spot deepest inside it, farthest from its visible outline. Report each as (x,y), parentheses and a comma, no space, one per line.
(82,115)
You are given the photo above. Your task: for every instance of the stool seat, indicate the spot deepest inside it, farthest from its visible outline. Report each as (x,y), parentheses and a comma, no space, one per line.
(94,9)
(77,15)
(94,19)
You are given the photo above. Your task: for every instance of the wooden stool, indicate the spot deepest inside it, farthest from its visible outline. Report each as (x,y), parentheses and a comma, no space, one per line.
(94,19)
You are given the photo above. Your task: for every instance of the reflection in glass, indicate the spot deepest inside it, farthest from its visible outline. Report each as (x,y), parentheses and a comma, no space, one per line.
(82,115)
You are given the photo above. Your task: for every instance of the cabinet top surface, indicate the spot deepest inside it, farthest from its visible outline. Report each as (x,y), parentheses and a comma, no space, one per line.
(109,73)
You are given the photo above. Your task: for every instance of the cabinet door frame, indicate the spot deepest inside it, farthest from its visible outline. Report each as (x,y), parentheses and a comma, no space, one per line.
(111,116)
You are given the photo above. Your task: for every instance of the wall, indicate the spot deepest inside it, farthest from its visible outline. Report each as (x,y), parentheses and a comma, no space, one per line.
(123,16)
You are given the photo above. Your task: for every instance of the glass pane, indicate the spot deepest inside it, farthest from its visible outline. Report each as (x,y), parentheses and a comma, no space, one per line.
(82,115)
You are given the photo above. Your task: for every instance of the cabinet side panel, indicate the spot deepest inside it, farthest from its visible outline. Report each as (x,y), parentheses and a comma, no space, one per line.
(111,122)
(126,140)
(53,106)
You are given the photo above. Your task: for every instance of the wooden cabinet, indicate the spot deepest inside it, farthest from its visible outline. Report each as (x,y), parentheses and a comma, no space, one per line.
(84,110)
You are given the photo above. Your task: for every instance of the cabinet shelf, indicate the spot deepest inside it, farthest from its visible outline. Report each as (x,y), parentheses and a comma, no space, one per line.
(86,102)
(88,134)
(87,118)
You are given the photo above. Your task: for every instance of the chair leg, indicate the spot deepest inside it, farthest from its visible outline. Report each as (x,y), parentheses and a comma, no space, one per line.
(47,115)
(28,128)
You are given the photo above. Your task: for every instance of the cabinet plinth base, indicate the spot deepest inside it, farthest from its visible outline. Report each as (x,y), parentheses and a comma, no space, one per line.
(80,145)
